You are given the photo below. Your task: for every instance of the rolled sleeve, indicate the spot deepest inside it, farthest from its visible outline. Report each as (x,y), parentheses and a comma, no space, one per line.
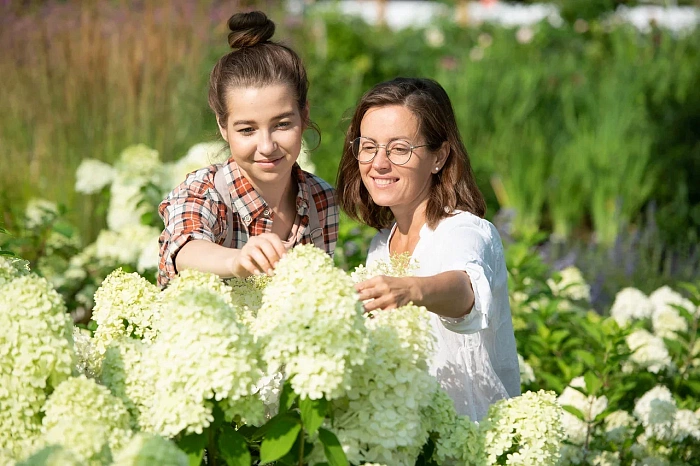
(193,210)
(471,251)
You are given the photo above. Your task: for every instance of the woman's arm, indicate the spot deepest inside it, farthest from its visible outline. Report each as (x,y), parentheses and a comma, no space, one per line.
(259,255)
(440,294)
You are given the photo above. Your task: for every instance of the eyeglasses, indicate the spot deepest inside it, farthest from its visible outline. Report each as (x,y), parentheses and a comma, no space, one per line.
(398,152)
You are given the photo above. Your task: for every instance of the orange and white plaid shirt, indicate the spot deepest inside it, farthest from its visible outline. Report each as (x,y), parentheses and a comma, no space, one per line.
(195,210)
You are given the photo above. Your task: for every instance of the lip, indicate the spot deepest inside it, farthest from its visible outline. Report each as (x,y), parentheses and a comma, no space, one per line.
(381,181)
(269,163)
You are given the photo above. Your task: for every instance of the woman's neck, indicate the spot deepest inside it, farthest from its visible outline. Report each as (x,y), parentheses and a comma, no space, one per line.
(409,223)
(278,196)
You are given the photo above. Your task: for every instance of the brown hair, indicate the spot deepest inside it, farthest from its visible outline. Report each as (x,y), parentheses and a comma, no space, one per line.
(453,187)
(256,61)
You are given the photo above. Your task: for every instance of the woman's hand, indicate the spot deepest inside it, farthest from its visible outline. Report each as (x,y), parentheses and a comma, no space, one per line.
(259,255)
(387,292)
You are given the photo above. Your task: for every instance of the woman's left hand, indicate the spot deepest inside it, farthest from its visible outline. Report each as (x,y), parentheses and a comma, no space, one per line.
(387,292)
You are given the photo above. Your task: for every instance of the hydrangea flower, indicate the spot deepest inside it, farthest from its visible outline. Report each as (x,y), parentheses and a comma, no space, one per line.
(571,285)
(380,419)
(198,156)
(604,458)
(126,304)
(526,430)
(590,406)
(93,175)
(686,425)
(134,244)
(246,294)
(148,449)
(186,280)
(11,268)
(656,410)
(527,374)
(665,298)
(311,322)
(398,265)
(619,425)
(202,355)
(648,351)
(86,419)
(88,360)
(39,212)
(54,455)
(37,348)
(630,304)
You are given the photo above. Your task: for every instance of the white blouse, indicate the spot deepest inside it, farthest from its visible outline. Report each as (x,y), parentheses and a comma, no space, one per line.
(476,360)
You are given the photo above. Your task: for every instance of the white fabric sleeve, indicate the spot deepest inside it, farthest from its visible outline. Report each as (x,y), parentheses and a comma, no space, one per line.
(469,248)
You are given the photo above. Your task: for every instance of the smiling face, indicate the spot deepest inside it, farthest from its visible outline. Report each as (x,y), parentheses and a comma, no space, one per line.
(263,129)
(402,188)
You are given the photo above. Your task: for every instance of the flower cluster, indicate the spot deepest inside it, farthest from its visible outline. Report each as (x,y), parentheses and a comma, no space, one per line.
(126,305)
(398,265)
(86,419)
(311,323)
(590,407)
(93,175)
(37,348)
(570,285)
(147,449)
(380,418)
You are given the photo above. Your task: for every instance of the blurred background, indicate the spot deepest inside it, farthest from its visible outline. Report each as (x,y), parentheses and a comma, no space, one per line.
(582,119)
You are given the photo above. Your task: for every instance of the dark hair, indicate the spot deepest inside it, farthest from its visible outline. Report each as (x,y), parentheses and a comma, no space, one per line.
(255,61)
(453,187)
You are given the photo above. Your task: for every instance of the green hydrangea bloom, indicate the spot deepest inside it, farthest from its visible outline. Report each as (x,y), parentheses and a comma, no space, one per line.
(147,450)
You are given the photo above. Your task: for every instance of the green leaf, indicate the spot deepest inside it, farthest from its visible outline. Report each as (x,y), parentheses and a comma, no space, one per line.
(332,448)
(194,445)
(287,397)
(279,439)
(313,412)
(575,411)
(233,447)
(593,383)
(582,355)
(5,253)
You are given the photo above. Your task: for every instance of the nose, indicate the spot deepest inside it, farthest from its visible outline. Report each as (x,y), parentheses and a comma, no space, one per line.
(381,161)
(266,145)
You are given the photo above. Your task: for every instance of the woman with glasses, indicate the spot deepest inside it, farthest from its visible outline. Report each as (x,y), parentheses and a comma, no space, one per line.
(406,172)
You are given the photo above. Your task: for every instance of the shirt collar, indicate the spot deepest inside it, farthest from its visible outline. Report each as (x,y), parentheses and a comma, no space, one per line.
(248,202)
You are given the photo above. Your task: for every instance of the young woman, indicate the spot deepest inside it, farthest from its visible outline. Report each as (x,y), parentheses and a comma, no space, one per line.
(405,171)
(239,218)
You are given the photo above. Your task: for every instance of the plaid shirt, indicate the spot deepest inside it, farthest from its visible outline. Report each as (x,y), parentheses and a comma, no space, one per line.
(195,210)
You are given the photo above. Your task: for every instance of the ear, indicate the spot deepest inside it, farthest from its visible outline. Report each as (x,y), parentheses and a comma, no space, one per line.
(441,155)
(222,129)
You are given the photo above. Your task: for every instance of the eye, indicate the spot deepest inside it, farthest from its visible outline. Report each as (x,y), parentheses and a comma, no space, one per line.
(246,131)
(284,124)
(367,147)
(400,149)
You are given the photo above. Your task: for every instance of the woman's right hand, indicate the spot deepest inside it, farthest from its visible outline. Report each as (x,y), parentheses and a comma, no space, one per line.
(259,255)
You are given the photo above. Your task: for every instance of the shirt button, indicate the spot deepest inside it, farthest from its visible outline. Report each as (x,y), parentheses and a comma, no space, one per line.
(247,219)
(266,212)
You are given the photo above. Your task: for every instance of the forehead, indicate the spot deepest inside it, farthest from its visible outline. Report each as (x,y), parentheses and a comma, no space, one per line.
(261,102)
(394,121)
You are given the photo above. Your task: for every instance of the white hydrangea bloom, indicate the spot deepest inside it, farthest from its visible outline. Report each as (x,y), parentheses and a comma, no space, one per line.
(93,175)
(85,418)
(311,322)
(686,425)
(124,209)
(590,407)
(88,360)
(246,294)
(126,305)
(656,410)
(630,304)
(649,351)
(11,268)
(399,265)
(619,425)
(665,298)
(527,375)
(667,321)
(138,164)
(460,441)
(571,285)
(134,244)
(380,418)
(269,389)
(188,279)
(148,449)
(39,212)
(202,354)
(37,355)
(524,430)
(198,156)
(571,454)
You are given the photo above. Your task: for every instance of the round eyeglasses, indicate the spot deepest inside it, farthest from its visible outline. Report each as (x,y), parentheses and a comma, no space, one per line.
(398,152)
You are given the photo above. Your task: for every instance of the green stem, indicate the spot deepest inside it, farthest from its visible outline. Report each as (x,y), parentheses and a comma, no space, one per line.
(301,447)
(211,449)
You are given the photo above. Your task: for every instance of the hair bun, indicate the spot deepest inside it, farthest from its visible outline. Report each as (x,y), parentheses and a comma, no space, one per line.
(249,29)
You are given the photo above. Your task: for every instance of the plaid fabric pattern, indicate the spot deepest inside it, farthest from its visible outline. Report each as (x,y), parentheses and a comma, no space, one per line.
(195,210)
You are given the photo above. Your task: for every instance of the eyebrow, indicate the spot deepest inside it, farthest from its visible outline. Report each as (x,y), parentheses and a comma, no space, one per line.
(398,138)
(251,122)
